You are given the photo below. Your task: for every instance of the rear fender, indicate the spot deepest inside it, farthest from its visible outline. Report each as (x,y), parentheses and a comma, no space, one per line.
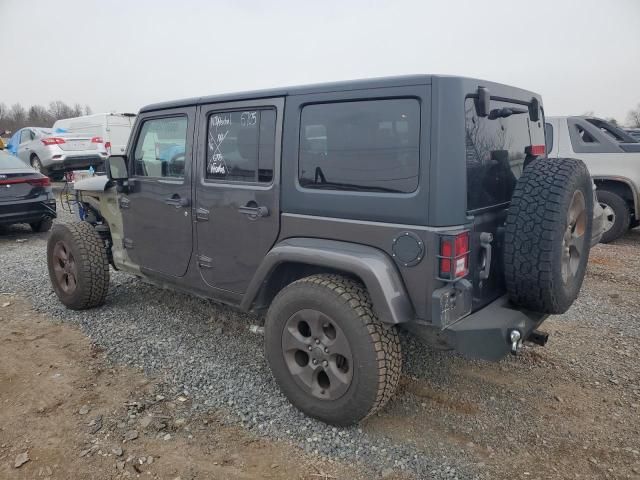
(372,266)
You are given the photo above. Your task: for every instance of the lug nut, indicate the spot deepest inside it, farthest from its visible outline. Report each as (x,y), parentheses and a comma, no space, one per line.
(325,363)
(314,361)
(317,341)
(326,350)
(309,348)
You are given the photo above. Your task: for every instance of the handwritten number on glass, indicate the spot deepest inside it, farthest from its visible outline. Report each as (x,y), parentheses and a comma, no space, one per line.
(248,119)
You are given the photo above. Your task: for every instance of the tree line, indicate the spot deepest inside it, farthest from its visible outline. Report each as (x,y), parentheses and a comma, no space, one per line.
(15,117)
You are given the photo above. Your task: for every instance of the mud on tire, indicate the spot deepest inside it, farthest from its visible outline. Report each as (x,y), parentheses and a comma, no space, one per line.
(375,347)
(546,250)
(78,265)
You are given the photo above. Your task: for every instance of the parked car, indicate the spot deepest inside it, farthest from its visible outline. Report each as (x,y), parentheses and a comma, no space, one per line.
(344,211)
(634,132)
(613,159)
(55,153)
(25,195)
(113,128)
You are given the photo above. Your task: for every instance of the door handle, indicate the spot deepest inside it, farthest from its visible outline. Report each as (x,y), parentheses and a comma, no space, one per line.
(254,211)
(177,201)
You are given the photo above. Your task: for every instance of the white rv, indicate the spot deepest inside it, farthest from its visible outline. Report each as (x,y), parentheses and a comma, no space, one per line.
(113,128)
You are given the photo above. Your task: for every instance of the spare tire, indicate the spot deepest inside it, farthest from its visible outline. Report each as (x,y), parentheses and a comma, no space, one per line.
(548,235)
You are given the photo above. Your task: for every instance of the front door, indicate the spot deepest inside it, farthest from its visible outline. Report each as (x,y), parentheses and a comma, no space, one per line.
(237,192)
(157,210)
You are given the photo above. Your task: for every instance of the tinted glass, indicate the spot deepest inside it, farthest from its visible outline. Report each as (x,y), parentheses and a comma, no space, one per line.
(241,146)
(496,153)
(548,137)
(369,145)
(160,149)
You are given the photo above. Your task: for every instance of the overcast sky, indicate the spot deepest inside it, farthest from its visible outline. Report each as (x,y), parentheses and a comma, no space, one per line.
(119,55)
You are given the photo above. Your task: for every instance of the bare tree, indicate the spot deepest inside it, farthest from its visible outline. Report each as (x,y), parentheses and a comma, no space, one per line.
(87,110)
(612,121)
(633,118)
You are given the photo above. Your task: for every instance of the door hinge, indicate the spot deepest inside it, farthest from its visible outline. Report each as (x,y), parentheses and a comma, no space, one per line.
(205,262)
(127,243)
(124,202)
(202,214)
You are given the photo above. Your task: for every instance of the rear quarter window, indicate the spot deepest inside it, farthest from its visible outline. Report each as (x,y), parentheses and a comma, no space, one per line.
(368,145)
(496,152)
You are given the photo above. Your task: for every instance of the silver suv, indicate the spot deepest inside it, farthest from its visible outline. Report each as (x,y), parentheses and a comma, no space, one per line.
(54,153)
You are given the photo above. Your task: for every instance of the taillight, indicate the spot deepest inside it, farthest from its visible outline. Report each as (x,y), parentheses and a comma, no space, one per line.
(536,150)
(35,182)
(96,140)
(454,256)
(39,182)
(107,146)
(52,140)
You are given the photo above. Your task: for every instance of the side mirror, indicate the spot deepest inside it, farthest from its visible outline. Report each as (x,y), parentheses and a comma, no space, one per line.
(116,167)
(483,103)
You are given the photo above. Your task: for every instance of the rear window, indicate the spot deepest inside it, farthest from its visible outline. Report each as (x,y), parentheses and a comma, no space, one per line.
(363,145)
(495,150)
(8,161)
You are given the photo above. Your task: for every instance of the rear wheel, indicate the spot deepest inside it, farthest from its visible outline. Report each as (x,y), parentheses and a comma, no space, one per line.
(37,164)
(78,265)
(330,355)
(616,213)
(548,235)
(43,225)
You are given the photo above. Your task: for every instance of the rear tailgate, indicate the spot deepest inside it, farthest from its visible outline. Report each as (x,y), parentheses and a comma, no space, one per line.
(497,147)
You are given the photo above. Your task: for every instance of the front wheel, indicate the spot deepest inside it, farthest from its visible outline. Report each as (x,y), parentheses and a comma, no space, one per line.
(330,355)
(616,215)
(78,265)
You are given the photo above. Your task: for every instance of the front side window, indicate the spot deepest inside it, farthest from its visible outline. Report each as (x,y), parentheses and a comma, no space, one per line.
(362,146)
(241,146)
(160,149)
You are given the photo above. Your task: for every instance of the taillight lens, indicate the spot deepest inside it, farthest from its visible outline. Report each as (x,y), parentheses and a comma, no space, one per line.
(40,182)
(96,140)
(35,182)
(107,146)
(53,140)
(536,150)
(454,256)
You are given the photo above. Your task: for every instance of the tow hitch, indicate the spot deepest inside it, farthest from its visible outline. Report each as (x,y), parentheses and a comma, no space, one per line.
(538,337)
(516,341)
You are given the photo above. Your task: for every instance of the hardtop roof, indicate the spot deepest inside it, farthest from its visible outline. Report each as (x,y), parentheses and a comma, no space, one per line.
(360,84)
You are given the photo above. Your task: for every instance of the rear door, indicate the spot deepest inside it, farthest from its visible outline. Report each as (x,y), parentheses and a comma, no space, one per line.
(237,189)
(24,150)
(497,152)
(156,211)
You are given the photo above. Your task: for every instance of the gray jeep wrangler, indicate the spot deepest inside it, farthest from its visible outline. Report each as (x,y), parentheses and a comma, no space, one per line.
(345,211)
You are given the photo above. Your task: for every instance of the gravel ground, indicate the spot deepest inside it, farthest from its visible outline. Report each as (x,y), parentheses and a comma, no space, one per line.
(568,409)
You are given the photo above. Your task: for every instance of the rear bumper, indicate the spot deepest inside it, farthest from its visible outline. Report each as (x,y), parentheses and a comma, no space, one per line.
(78,162)
(27,211)
(485,333)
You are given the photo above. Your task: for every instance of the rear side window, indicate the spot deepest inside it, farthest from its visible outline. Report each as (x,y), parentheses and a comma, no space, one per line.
(496,152)
(362,146)
(241,146)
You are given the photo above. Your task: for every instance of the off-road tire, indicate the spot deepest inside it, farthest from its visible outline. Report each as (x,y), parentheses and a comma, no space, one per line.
(91,260)
(42,226)
(535,230)
(622,215)
(375,347)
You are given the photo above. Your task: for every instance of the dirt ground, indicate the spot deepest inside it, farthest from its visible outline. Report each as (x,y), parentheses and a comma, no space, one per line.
(75,417)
